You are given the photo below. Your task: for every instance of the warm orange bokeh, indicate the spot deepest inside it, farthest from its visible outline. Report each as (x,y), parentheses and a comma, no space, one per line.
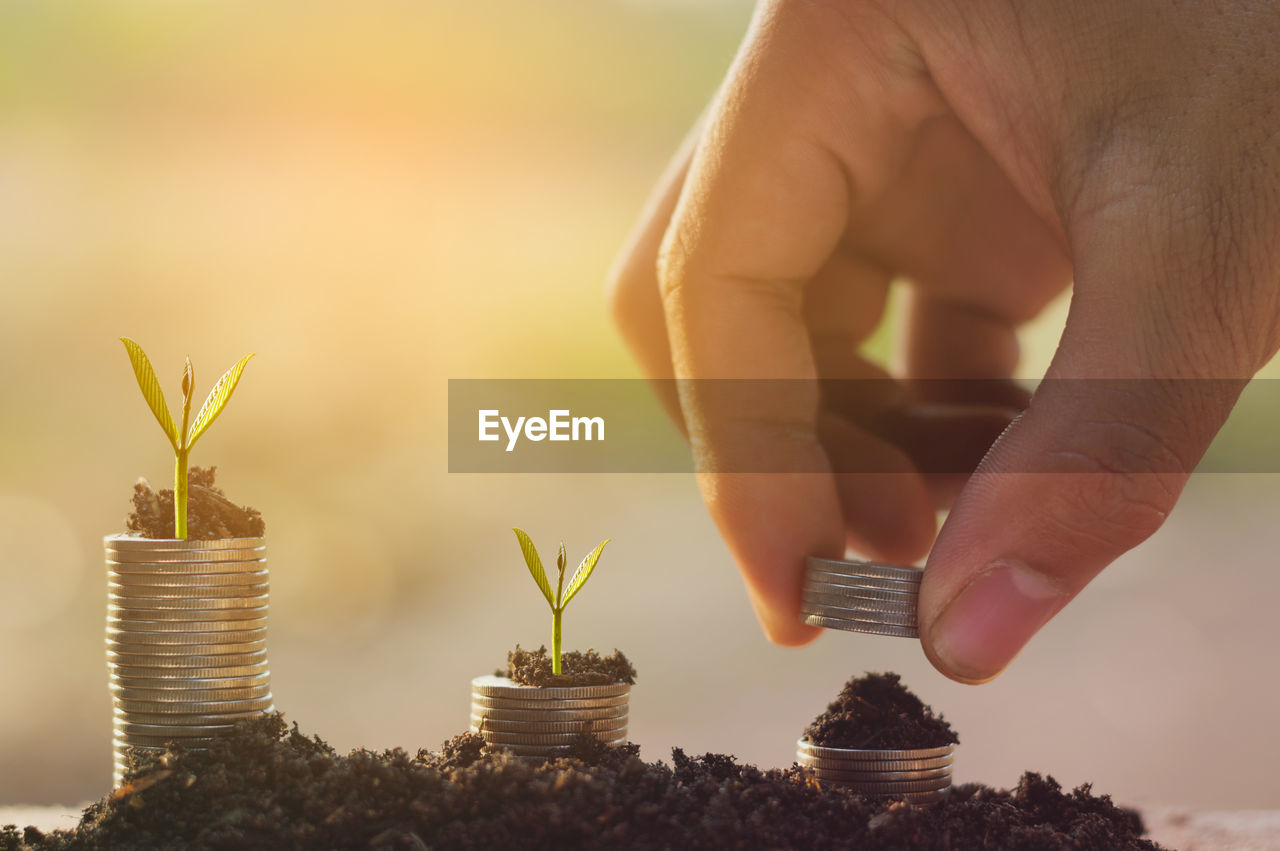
(378,198)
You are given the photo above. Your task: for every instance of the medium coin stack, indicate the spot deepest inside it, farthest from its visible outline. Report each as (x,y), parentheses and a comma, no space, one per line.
(186,639)
(919,775)
(861,596)
(538,722)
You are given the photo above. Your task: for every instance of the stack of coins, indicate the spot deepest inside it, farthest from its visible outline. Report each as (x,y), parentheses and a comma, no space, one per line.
(919,775)
(186,639)
(538,722)
(861,596)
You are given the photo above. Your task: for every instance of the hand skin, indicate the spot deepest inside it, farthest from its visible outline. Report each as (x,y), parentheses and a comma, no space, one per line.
(990,153)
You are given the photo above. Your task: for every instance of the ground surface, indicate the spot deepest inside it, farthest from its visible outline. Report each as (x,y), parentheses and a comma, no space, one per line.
(271,787)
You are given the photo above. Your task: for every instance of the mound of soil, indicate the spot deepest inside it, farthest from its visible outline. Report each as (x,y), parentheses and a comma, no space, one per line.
(210,515)
(875,711)
(267,786)
(533,668)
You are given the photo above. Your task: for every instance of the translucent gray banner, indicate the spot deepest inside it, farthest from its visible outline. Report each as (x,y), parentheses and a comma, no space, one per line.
(865,425)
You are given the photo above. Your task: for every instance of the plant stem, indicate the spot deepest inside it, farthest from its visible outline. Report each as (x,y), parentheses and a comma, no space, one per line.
(555,640)
(180,496)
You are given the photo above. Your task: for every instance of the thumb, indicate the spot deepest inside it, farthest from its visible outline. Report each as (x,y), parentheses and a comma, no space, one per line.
(1135,394)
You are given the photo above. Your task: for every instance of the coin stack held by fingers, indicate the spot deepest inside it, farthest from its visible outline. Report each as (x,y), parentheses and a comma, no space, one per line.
(186,640)
(861,596)
(543,721)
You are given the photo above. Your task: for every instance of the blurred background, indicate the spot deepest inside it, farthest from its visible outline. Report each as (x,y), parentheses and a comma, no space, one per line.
(379,197)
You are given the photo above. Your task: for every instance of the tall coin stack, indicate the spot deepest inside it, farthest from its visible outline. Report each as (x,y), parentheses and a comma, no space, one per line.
(536,721)
(861,596)
(186,639)
(918,775)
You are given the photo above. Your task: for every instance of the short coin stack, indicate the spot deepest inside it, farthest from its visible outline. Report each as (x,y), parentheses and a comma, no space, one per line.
(186,639)
(861,596)
(535,721)
(919,775)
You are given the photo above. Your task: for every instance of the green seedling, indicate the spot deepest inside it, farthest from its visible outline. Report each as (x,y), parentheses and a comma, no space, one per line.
(182,440)
(562,595)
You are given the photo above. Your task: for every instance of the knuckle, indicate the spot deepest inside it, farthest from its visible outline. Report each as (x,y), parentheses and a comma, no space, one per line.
(1112,511)
(1120,487)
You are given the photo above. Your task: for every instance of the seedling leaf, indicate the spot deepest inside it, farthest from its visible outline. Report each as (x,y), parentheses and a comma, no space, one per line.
(150,387)
(583,573)
(217,400)
(535,566)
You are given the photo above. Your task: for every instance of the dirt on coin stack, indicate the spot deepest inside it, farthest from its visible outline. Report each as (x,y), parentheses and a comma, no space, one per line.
(544,721)
(916,748)
(861,596)
(186,640)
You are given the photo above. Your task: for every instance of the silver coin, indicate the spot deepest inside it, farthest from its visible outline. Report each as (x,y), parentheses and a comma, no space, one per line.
(217,648)
(922,798)
(891,788)
(547,751)
(186,718)
(188,673)
(558,715)
(167,603)
(191,580)
(919,799)
(939,763)
(597,726)
(178,620)
(854,604)
(893,618)
(133,613)
(865,776)
(127,729)
(192,707)
(135,542)
(230,660)
(188,695)
(872,594)
(863,754)
(479,700)
(174,639)
(539,739)
(185,627)
(118,740)
(193,742)
(171,684)
(180,592)
(865,568)
(239,565)
(819,578)
(862,626)
(491,686)
(177,557)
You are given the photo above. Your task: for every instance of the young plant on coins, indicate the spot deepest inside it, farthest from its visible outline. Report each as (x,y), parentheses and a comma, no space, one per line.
(182,440)
(541,703)
(187,594)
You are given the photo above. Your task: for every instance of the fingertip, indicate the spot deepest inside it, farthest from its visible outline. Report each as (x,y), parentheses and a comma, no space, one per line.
(943,668)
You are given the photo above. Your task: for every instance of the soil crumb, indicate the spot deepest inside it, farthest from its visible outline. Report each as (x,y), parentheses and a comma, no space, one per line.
(533,668)
(269,786)
(875,711)
(210,515)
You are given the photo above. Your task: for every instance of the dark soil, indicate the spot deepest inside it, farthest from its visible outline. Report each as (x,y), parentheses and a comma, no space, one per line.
(210,515)
(271,787)
(875,711)
(533,668)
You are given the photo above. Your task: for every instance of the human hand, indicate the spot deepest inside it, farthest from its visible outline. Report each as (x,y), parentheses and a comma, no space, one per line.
(988,153)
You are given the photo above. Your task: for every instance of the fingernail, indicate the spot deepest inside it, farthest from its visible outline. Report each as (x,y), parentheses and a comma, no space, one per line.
(985,626)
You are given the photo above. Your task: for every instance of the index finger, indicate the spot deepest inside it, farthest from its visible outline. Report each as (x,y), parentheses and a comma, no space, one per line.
(765,204)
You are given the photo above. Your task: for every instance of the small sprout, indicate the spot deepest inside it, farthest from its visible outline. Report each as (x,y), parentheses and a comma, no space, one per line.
(562,596)
(182,440)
